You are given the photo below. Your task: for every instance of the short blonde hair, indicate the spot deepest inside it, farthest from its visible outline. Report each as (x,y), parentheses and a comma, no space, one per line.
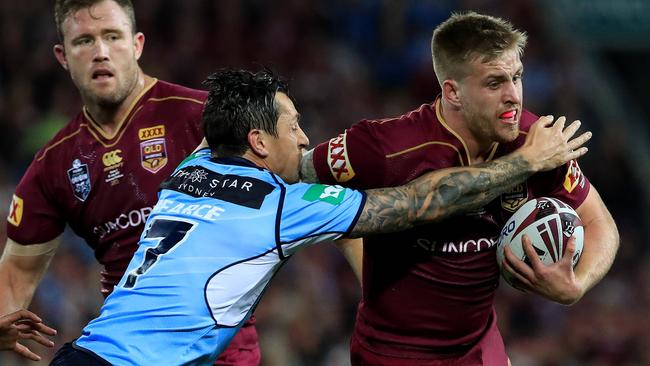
(465,37)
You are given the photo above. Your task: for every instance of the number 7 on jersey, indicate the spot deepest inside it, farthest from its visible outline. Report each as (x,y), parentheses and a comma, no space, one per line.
(171,233)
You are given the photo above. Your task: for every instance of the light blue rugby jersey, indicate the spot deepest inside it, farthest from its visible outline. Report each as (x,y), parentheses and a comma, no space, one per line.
(218,234)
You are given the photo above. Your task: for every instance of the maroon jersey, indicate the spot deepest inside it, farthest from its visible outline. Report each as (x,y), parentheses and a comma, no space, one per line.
(104,187)
(430,289)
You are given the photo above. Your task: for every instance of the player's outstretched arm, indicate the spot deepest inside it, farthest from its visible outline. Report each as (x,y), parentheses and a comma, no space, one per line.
(443,193)
(23,324)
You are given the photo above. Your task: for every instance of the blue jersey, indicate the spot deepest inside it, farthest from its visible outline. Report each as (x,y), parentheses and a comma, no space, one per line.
(220,231)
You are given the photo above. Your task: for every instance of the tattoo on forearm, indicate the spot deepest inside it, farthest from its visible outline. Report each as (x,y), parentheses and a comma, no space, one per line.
(307,170)
(439,194)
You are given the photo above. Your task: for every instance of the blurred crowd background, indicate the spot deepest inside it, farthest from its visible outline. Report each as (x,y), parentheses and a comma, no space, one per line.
(347,60)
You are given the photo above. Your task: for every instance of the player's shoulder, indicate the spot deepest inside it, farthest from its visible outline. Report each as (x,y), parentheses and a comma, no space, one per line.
(423,114)
(165,89)
(68,136)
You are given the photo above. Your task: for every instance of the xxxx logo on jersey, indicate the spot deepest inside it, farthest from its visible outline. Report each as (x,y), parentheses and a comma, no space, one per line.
(331,194)
(153,148)
(337,159)
(15,211)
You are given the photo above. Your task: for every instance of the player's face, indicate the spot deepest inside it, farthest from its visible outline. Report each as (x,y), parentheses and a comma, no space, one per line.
(286,150)
(492,96)
(101,53)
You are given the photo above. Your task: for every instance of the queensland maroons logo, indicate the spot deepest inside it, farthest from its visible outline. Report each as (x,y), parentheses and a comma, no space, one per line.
(154,154)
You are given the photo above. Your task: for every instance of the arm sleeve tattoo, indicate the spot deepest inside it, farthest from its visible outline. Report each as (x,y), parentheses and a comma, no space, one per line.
(439,194)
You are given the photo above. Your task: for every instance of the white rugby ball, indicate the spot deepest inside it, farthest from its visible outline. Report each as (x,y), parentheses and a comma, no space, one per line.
(549,223)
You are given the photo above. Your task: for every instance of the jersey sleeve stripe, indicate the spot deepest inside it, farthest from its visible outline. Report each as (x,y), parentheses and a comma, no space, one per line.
(278,216)
(60,142)
(410,149)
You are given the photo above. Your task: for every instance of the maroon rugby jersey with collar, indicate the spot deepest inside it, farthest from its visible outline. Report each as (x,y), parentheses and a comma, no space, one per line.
(430,288)
(104,187)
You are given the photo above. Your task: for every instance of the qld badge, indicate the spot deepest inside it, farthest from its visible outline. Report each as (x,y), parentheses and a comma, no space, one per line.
(154,154)
(79,177)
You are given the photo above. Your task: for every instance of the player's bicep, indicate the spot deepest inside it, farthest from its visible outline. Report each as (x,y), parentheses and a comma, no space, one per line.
(33,258)
(354,159)
(21,270)
(593,211)
(315,213)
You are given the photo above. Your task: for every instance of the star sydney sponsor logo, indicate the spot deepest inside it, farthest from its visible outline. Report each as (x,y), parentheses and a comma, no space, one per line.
(198,176)
(331,194)
(15,211)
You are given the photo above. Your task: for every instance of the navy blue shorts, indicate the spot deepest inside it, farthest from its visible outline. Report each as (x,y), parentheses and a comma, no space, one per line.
(69,355)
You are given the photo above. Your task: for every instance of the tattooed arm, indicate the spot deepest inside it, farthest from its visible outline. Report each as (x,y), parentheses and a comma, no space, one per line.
(439,194)
(443,193)
(307,169)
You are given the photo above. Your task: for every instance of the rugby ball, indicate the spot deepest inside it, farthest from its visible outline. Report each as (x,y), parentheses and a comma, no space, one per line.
(549,223)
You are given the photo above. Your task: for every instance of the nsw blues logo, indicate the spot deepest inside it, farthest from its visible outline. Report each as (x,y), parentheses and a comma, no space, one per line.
(79,179)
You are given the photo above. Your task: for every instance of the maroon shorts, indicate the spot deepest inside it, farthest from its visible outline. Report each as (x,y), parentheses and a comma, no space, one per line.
(244,349)
(488,351)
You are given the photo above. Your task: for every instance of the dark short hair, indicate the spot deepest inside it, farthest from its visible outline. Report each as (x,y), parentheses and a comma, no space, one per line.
(63,8)
(239,101)
(465,37)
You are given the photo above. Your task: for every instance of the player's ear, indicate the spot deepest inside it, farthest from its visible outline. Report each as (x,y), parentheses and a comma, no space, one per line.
(59,53)
(451,92)
(257,143)
(138,44)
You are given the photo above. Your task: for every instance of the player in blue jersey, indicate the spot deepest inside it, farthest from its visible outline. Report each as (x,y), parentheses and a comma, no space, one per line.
(227,221)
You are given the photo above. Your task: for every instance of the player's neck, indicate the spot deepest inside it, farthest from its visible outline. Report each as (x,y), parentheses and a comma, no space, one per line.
(109,118)
(257,160)
(476,148)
